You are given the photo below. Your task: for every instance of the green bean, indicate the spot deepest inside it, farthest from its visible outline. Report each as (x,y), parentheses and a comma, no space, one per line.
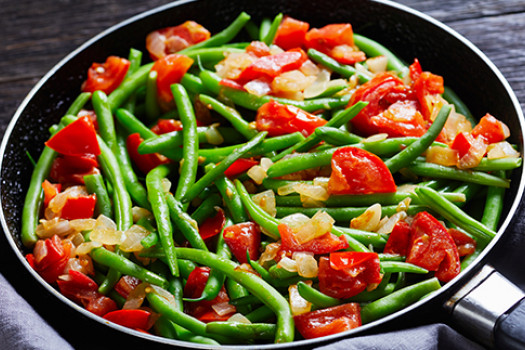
(95,184)
(301,162)
(223,36)
(400,266)
(364,237)
(398,300)
(493,205)
(231,115)
(265,292)
(135,59)
(132,124)
(160,209)
(272,31)
(332,88)
(119,299)
(262,313)
(313,139)
(343,69)
(78,103)
(336,136)
(369,296)
(167,329)
(190,148)
(150,240)
(393,145)
(373,48)
(105,120)
(409,154)
(317,298)
(232,199)
(220,168)
(444,172)
(252,29)
(243,331)
(193,84)
(498,164)
(236,291)
(152,106)
(454,214)
(277,272)
(185,223)
(207,208)
(451,97)
(212,54)
(127,267)
(264,28)
(128,86)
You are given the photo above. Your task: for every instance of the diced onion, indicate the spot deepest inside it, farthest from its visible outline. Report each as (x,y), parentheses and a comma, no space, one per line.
(106,232)
(376,137)
(377,64)
(234,64)
(139,213)
(257,174)
(406,188)
(270,252)
(455,124)
(287,264)
(298,304)
(166,185)
(319,85)
(223,308)
(258,87)
(55,226)
(266,200)
(239,318)
(442,155)
(87,247)
(474,155)
(80,225)
(306,264)
(213,136)
(360,69)
(309,202)
(388,226)
(318,193)
(136,297)
(369,220)
(291,81)
(286,189)
(320,224)
(294,221)
(266,163)
(162,293)
(321,181)
(133,236)
(310,68)
(501,150)
(404,204)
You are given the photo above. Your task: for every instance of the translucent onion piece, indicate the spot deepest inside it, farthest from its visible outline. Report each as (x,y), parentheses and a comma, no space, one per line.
(406,188)
(288,264)
(234,64)
(360,69)
(257,174)
(80,225)
(213,136)
(306,264)
(139,213)
(369,220)
(223,308)
(320,224)
(377,64)
(319,85)
(501,150)
(258,87)
(245,267)
(162,293)
(166,185)
(136,297)
(266,163)
(55,226)
(442,155)
(376,137)
(474,155)
(404,204)
(318,193)
(82,264)
(270,252)
(295,221)
(388,226)
(286,189)
(298,304)
(321,181)
(310,68)
(266,200)
(455,124)
(291,81)
(76,239)
(239,318)
(85,248)
(309,202)
(133,236)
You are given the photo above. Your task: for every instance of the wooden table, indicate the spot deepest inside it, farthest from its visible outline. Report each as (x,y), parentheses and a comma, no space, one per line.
(35,35)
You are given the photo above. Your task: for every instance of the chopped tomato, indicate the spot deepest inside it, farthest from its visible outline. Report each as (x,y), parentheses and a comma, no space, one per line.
(106,76)
(145,162)
(268,67)
(258,48)
(392,108)
(126,284)
(131,318)
(432,248)
(466,244)
(415,70)
(324,244)
(81,207)
(470,150)
(356,171)
(169,40)
(291,33)
(165,126)
(279,119)
(76,139)
(213,225)
(50,257)
(345,274)
(170,70)
(240,166)
(50,191)
(491,129)
(100,305)
(242,238)
(426,85)
(398,239)
(231,84)
(72,169)
(332,320)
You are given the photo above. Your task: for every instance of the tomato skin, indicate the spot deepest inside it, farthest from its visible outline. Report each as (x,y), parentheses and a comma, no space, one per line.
(324,244)
(170,70)
(131,318)
(356,171)
(145,162)
(81,207)
(165,126)
(398,239)
(50,257)
(332,320)
(490,129)
(432,248)
(425,84)
(76,139)
(280,119)
(466,244)
(470,150)
(345,274)
(213,225)
(291,33)
(169,40)
(72,169)
(258,48)
(242,238)
(126,284)
(106,76)
(240,166)
(268,67)
(50,191)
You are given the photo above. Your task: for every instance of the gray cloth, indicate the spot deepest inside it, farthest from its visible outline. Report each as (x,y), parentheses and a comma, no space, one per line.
(21,328)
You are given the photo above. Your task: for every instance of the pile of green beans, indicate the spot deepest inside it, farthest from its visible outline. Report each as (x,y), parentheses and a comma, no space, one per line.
(195,170)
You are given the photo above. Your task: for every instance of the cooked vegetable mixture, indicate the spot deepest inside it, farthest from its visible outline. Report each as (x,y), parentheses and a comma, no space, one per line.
(293,186)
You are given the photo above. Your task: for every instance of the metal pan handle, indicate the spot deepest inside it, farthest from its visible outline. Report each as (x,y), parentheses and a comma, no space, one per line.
(491,310)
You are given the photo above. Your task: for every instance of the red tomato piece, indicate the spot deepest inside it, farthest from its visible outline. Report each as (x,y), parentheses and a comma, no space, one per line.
(72,169)
(345,274)
(77,286)
(242,238)
(279,119)
(356,171)
(169,40)
(106,76)
(268,67)
(398,239)
(126,284)
(427,84)
(415,70)
(258,48)
(145,162)
(81,207)
(240,166)
(231,84)
(131,318)
(212,226)
(50,191)
(491,129)
(165,126)
(170,70)
(291,33)
(470,150)
(466,244)
(50,257)
(332,320)
(100,305)
(324,244)
(76,139)
(432,247)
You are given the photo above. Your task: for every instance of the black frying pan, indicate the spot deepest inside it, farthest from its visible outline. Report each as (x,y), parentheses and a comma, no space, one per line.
(408,33)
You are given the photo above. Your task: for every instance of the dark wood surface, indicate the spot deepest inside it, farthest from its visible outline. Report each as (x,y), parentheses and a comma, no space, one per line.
(35,35)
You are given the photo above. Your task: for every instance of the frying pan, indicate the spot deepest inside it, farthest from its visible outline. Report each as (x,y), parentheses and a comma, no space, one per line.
(492,316)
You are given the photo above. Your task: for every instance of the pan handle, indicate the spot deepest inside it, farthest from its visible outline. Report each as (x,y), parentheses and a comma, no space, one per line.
(491,310)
